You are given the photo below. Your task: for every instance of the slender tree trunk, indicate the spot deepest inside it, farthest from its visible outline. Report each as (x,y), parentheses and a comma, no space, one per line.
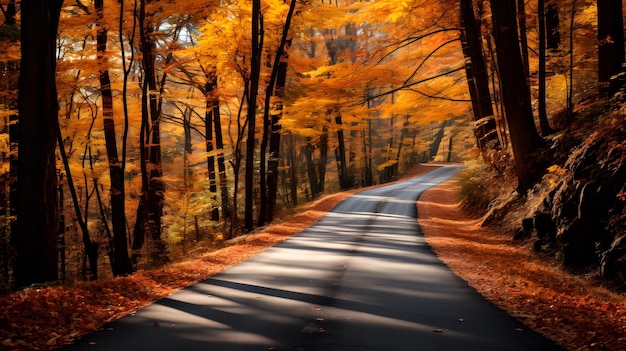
(342,167)
(121,264)
(552,27)
(611,42)
(521,19)
(544,126)
(271,126)
(570,90)
(154,188)
(275,137)
(516,95)
(212,107)
(221,166)
(35,231)
(91,247)
(293,171)
(307,150)
(323,160)
(252,105)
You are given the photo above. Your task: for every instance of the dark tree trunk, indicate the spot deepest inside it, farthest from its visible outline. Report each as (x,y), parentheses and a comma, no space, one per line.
(515,93)
(212,109)
(307,150)
(271,124)
(552,27)
(611,42)
(121,264)
(293,172)
(221,166)
(323,160)
(91,247)
(478,79)
(153,186)
(253,89)
(35,231)
(521,18)
(544,126)
(342,167)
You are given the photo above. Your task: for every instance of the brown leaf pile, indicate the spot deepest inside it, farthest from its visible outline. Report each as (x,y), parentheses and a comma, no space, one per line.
(574,311)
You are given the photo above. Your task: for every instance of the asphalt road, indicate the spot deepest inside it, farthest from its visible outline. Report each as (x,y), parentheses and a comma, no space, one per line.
(361,278)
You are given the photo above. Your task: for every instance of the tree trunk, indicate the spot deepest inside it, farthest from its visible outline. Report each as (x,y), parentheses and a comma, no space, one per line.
(552,27)
(544,126)
(35,231)
(293,171)
(221,167)
(271,126)
(323,160)
(307,150)
(153,187)
(611,43)
(516,95)
(121,264)
(212,109)
(90,246)
(478,79)
(342,167)
(255,69)
(521,18)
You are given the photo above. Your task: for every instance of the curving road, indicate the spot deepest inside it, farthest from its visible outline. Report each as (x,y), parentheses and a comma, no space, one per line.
(361,278)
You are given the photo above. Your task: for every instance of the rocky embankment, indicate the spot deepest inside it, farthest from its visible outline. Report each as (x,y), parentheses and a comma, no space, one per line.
(582,219)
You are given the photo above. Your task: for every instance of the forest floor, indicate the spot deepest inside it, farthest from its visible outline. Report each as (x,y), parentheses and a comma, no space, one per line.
(574,311)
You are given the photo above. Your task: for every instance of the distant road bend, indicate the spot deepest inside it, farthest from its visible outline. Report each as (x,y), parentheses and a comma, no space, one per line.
(361,278)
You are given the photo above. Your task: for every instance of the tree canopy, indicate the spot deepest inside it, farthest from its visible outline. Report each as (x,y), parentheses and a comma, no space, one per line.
(184,124)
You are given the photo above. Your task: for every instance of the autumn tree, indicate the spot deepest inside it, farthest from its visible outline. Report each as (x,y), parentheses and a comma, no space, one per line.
(35,231)
(272,112)
(251,100)
(150,209)
(121,264)
(515,92)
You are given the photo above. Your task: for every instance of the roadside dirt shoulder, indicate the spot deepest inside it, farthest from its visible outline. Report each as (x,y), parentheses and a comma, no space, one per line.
(575,312)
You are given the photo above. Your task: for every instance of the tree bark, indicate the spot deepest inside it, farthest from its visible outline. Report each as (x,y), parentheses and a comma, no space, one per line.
(515,93)
(611,43)
(255,69)
(307,150)
(552,27)
(153,186)
(544,126)
(271,126)
(342,166)
(478,79)
(121,264)
(35,231)
(275,137)
(521,19)
(221,166)
(212,112)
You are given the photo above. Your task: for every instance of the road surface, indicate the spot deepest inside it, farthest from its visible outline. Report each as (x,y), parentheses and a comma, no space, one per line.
(361,278)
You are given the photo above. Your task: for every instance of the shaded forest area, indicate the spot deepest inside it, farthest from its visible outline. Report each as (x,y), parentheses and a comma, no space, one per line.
(136,134)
